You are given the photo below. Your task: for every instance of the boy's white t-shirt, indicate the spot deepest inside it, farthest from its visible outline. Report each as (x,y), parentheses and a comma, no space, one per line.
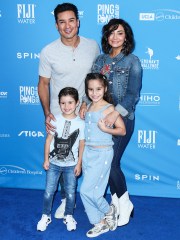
(65,145)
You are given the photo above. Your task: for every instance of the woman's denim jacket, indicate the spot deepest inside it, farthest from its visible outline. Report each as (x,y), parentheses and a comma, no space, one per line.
(126,79)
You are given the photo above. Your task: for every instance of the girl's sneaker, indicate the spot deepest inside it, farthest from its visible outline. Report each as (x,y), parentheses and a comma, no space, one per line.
(43,223)
(97,230)
(70,222)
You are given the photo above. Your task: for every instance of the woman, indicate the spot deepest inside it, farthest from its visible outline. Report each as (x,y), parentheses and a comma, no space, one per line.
(124,72)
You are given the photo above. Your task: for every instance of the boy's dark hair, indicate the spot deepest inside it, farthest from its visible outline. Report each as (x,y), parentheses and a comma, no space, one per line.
(69,91)
(112,25)
(103,79)
(65,7)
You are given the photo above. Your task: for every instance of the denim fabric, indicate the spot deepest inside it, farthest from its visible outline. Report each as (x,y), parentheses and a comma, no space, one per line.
(96,168)
(125,80)
(117,180)
(52,178)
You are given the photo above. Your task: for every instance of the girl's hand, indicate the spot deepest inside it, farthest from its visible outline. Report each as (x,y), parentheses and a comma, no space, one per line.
(102,125)
(77,170)
(111,118)
(46,165)
(49,126)
(83,110)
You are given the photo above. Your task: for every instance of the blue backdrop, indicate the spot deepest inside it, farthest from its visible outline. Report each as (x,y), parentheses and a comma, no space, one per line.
(152,160)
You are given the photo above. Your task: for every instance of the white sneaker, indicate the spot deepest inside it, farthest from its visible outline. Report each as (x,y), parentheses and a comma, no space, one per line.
(111,218)
(70,222)
(43,223)
(60,210)
(97,230)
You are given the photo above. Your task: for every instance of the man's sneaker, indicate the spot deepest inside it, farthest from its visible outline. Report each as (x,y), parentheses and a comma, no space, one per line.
(43,223)
(97,230)
(111,218)
(60,210)
(70,222)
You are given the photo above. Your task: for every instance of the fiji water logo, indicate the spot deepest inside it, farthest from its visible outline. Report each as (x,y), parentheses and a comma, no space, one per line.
(160,15)
(28,95)
(149,99)
(150,63)
(147,139)
(33,134)
(26,13)
(27,55)
(105,12)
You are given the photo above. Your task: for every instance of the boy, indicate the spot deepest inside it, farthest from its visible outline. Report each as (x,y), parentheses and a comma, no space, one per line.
(63,155)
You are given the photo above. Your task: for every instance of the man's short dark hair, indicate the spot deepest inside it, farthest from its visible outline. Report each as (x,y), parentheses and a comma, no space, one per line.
(65,7)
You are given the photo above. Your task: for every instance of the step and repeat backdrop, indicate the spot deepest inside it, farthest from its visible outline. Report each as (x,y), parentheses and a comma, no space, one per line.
(152,160)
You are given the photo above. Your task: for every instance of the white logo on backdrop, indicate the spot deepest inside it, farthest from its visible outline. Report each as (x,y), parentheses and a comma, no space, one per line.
(26,13)
(149,99)
(105,12)
(34,134)
(28,55)
(150,64)
(11,169)
(29,95)
(147,139)
(160,15)
(146,177)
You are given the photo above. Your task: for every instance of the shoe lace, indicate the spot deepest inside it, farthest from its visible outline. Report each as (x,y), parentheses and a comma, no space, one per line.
(70,218)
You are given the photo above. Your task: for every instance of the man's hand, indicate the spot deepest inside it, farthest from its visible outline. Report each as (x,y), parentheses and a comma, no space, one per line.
(83,110)
(111,118)
(49,126)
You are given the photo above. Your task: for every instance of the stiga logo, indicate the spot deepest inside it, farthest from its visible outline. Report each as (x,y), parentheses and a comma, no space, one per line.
(29,95)
(26,13)
(149,99)
(34,134)
(147,139)
(150,63)
(160,15)
(11,169)
(105,12)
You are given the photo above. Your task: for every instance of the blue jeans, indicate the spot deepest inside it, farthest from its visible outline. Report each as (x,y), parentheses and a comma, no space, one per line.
(96,168)
(52,178)
(117,181)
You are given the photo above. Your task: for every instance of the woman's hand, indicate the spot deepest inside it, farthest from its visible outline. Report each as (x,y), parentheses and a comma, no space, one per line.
(111,118)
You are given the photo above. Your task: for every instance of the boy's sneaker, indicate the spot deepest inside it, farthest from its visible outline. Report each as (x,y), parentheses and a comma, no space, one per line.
(43,223)
(70,222)
(97,230)
(60,210)
(111,218)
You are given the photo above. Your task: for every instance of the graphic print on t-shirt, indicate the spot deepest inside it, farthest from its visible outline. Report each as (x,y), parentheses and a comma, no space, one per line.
(63,146)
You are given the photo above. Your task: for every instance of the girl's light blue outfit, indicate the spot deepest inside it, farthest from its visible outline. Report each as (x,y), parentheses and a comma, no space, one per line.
(96,166)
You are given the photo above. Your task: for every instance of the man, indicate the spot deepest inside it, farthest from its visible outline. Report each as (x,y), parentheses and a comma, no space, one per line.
(64,63)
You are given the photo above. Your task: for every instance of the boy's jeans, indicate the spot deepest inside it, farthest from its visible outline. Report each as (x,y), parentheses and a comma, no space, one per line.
(52,178)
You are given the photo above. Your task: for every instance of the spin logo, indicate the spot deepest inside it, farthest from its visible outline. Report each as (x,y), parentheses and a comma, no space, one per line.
(29,95)
(146,177)
(147,139)
(27,55)
(26,13)
(105,12)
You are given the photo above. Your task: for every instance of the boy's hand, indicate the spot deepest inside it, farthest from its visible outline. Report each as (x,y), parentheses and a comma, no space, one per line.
(77,170)
(46,165)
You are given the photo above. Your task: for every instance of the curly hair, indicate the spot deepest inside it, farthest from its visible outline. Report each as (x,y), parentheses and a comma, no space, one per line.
(111,26)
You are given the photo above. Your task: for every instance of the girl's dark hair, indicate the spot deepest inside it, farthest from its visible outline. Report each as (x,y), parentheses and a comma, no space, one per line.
(65,7)
(112,25)
(69,91)
(103,79)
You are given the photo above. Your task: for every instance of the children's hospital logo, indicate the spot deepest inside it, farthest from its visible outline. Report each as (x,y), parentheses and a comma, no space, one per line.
(160,15)
(150,63)
(11,169)
(105,12)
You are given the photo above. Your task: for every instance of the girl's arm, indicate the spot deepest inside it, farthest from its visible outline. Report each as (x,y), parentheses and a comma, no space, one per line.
(46,151)
(77,169)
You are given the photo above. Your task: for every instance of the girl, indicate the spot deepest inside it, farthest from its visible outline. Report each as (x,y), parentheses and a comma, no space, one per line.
(98,154)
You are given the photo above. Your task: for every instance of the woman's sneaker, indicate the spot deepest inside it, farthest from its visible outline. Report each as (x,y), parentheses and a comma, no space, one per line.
(60,210)
(43,223)
(70,222)
(112,218)
(97,230)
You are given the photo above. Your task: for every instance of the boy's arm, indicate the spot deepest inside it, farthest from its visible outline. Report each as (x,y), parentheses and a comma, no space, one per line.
(46,151)
(77,169)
